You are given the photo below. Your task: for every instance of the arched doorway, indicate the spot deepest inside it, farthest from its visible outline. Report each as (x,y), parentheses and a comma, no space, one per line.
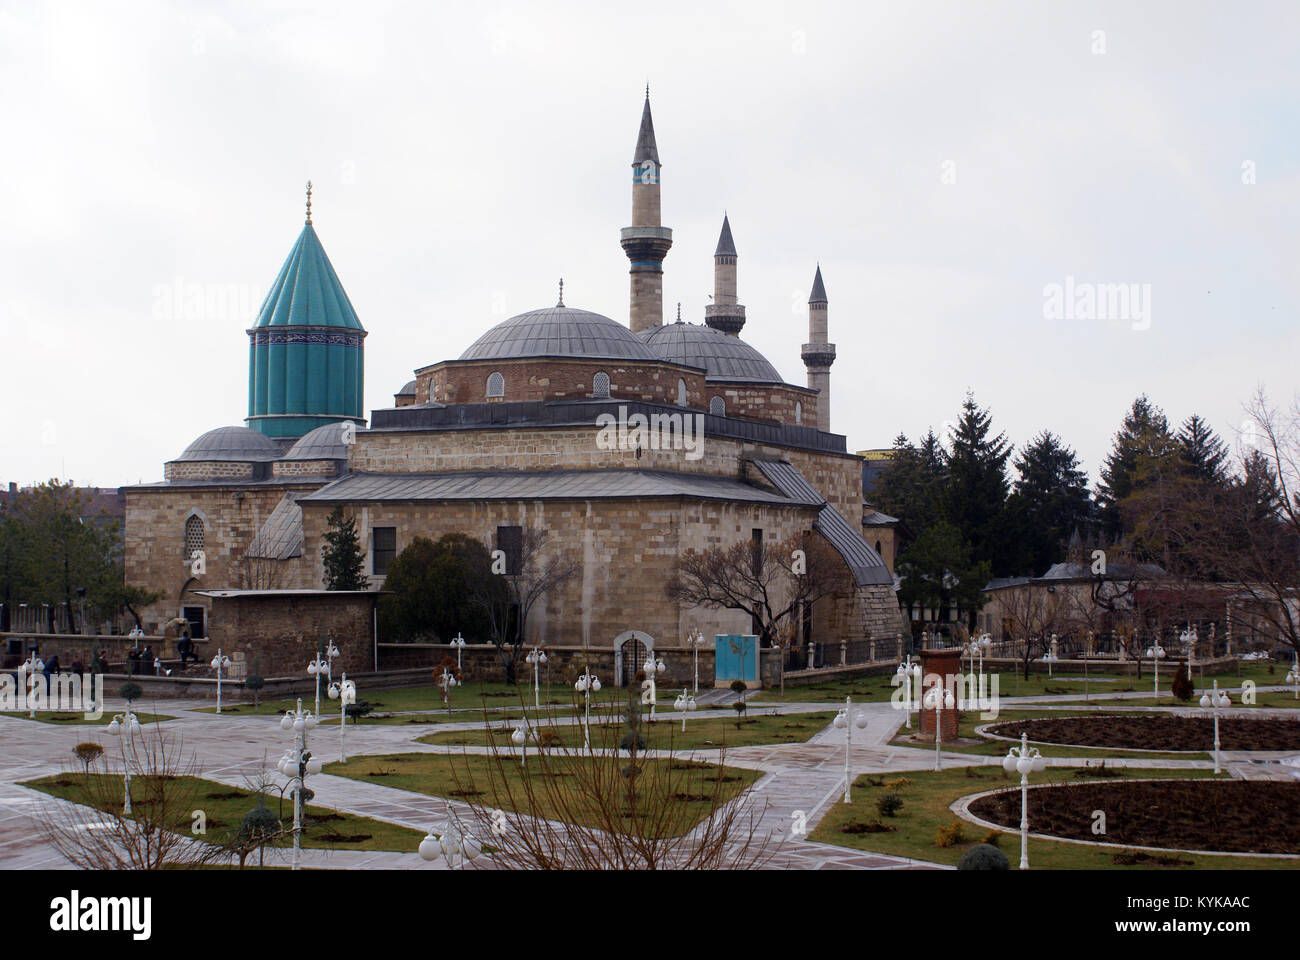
(630,649)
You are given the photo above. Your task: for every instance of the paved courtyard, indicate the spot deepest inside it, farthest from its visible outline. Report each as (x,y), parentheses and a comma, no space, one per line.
(799,781)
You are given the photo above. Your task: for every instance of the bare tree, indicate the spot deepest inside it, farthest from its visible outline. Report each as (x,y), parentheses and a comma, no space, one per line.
(1033,613)
(93,833)
(589,809)
(770,582)
(509,594)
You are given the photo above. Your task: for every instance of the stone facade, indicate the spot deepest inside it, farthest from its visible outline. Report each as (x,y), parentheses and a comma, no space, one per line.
(277,633)
(533,378)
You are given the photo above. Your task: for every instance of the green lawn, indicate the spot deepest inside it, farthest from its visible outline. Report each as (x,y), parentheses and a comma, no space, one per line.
(78,719)
(485,782)
(998,748)
(225,807)
(926,800)
(665,734)
(1270,699)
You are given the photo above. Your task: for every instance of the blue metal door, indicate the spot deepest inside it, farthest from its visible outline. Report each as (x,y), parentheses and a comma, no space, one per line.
(736,658)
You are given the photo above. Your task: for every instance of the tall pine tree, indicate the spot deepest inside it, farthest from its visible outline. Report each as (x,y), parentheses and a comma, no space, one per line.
(1205,455)
(975,493)
(1049,503)
(341,554)
(1144,433)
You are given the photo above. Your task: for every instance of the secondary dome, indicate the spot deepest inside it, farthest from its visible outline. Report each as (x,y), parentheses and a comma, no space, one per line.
(323,443)
(232,443)
(559,332)
(723,357)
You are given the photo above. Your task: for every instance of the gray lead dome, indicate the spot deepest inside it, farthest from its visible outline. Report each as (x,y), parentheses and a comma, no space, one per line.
(723,357)
(559,332)
(323,443)
(232,443)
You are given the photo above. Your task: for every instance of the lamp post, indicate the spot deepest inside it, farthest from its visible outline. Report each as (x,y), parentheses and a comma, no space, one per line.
(939,698)
(909,671)
(296,763)
(684,703)
(447,681)
(843,722)
(520,739)
(219,663)
(1024,760)
(1294,677)
(1216,699)
(1156,653)
(128,722)
(587,684)
(317,668)
(653,667)
(345,692)
(32,667)
(458,642)
(537,657)
(455,844)
(695,641)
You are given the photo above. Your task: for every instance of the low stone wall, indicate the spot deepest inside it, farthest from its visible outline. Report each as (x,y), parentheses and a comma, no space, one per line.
(16,647)
(1099,665)
(234,691)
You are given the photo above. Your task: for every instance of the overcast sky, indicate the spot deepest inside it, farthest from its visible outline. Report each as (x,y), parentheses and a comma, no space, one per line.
(945,163)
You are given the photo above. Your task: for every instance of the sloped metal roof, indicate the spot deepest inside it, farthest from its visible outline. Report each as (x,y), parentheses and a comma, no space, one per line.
(722,357)
(865,564)
(546,485)
(281,535)
(726,246)
(645,137)
(559,332)
(406,391)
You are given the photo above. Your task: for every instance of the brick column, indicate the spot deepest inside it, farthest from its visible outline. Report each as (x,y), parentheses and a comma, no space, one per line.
(945,664)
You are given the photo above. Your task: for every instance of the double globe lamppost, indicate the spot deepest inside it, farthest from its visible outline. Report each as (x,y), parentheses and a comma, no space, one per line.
(940,698)
(220,663)
(685,703)
(537,657)
(122,726)
(695,641)
(32,668)
(1024,760)
(653,667)
(318,668)
(1294,677)
(455,845)
(1216,698)
(459,643)
(587,684)
(296,764)
(844,722)
(909,671)
(345,692)
(1156,653)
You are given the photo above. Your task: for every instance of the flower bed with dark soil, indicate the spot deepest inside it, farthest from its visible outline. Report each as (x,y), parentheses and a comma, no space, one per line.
(1231,816)
(1157,732)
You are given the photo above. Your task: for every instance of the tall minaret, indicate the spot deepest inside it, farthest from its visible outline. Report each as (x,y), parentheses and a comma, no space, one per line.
(724,313)
(818,355)
(646,242)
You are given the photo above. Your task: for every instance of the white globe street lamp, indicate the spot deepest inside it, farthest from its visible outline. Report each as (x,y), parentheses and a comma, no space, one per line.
(447,681)
(32,667)
(458,642)
(537,657)
(318,668)
(456,845)
(843,722)
(296,764)
(520,739)
(684,703)
(345,692)
(587,684)
(1024,760)
(1294,677)
(909,671)
(1216,699)
(941,699)
(1156,653)
(129,724)
(695,641)
(220,663)
(653,667)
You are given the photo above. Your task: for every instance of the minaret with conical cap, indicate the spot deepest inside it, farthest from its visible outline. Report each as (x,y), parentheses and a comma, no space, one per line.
(724,313)
(818,355)
(646,242)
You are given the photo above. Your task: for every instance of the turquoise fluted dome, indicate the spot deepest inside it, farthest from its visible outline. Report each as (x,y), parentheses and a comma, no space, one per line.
(306,360)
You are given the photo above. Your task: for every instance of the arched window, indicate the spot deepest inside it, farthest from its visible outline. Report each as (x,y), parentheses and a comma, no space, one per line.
(681,393)
(600,385)
(193,536)
(798,413)
(496,386)
(878,551)
(718,407)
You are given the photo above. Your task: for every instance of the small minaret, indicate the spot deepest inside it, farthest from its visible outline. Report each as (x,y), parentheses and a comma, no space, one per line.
(646,242)
(818,355)
(724,313)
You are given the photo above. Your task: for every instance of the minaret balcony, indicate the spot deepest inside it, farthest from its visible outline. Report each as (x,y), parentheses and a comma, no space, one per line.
(818,354)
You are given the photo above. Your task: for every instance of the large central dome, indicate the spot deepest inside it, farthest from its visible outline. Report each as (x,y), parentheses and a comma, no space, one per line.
(723,357)
(559,332)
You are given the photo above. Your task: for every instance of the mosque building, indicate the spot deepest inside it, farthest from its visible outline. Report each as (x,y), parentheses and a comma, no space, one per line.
(507,437)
